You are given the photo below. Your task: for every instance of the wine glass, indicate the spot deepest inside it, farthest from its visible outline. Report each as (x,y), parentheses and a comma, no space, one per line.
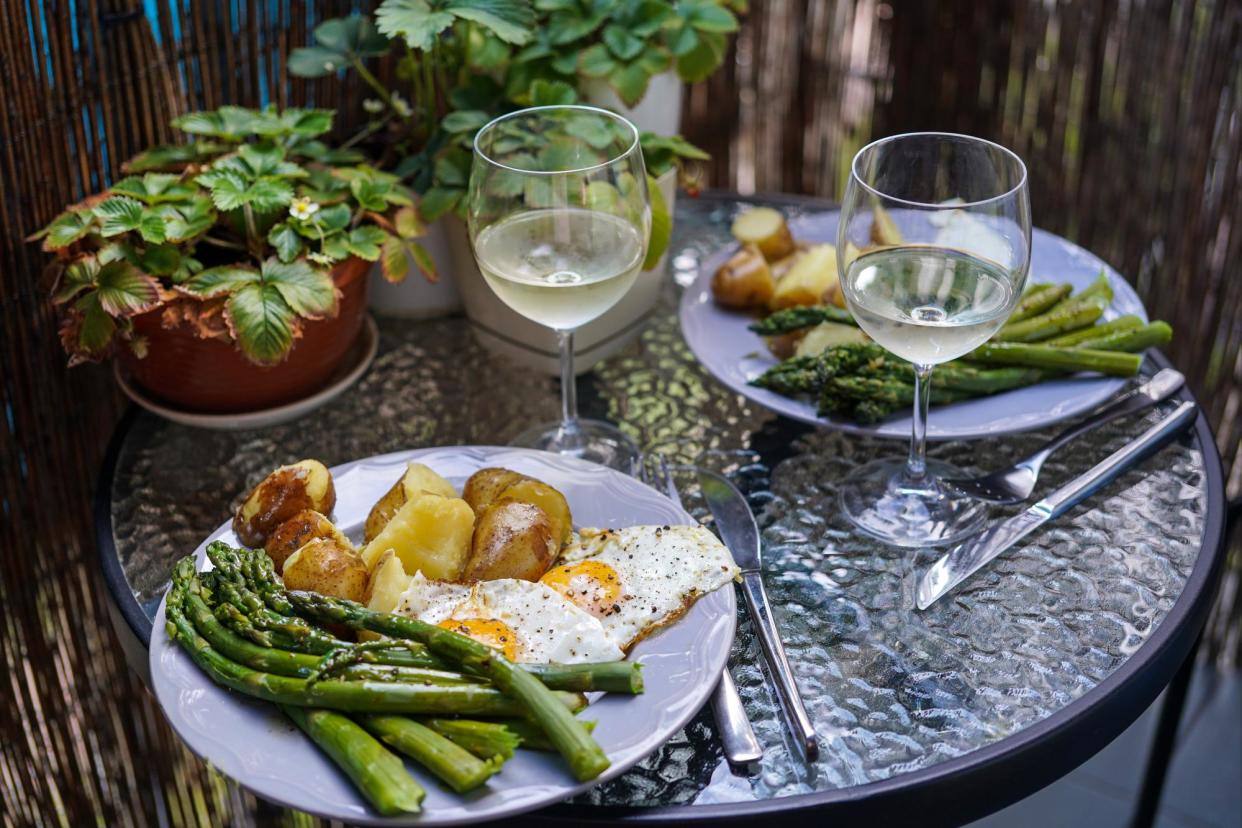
(934,245)
(559,219)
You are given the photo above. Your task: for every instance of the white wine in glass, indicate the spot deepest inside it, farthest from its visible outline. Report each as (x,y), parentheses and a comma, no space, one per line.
(943,223)
(559,218)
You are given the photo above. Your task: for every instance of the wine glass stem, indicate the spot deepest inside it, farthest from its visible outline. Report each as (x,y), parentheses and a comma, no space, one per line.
(570,432)
(916,464)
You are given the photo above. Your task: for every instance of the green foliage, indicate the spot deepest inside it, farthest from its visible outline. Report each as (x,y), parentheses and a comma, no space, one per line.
(255,196)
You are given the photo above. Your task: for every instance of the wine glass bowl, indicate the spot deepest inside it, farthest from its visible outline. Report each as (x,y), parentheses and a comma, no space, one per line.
(559,219)
(934,246)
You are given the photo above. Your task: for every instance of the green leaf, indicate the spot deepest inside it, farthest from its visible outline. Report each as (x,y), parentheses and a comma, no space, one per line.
(124,290)
(552,93)
(154,188)
(480,92)
(335,247)
(644,18)
(699,63)
(76,277)
(66,228)
(217,281)
(470,120)
(231,123)
(707,16)
(408,224)
(394,264)
(440,200)
(286,241)
(566,62)
(119,215)
(683,41)
(97,327)
(490,54)
(308,291)
(261,321)
(173,157)
(426,265)
(356,34)
(630,82)
(509,20)
(596,62)
(151,226)
(370,194)
(229,191)
(365,242)
(621,43)
(661,225)
(412,20)
(334,218)
(568,26)
(453,168)
(185,221)
(315,62)
(160,260)
(593,130)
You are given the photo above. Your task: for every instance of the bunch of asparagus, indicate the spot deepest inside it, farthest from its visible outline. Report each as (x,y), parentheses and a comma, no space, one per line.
(453,705)
(1049,334)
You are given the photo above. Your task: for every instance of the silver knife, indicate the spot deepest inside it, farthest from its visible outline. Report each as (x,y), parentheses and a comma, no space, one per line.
(969,557)
(737,529)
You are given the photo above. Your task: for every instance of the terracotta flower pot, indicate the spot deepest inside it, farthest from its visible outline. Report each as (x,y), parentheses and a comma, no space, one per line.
(212,375)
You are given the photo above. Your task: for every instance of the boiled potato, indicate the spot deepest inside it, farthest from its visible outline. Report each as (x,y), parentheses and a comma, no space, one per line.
(430,534)
(327,567)
(512,539)
(744,281)
(828,335)
(553,503)
(416,479)
(811,277)
(766,229)
(884,230)
(485,485)
(296,532)
(388,582)
(306,484)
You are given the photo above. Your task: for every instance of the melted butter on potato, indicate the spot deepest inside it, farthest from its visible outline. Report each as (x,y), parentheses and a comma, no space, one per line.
(288,490)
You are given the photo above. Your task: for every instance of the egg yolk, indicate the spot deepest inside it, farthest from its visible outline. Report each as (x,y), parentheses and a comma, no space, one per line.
(593,585)
(489,631)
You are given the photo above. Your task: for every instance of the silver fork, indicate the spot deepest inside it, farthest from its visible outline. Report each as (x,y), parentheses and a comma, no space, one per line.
(737,737)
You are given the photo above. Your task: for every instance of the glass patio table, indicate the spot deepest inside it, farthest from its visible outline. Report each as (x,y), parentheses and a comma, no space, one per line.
(1018,676)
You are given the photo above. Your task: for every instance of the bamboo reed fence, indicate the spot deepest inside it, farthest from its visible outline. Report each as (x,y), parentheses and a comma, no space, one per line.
(1128,112)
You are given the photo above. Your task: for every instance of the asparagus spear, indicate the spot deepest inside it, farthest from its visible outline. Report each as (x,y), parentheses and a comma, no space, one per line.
(1121,323)
(1111,363)
(455,766)
(483,739)
(1068,316)
(608,676)
(532,737)
(1133,340)
(585,757)
(792,319)
(351,696)
(1034,302)
(379,774)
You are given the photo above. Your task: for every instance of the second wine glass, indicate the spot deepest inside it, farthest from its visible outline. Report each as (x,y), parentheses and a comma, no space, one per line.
(559,220)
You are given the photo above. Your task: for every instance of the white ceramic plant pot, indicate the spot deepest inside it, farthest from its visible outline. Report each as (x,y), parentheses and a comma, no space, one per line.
(415,297)
(505,332)
(658,111)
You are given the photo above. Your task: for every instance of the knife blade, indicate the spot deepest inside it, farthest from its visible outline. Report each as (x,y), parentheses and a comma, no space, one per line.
(740,534)
(969,557)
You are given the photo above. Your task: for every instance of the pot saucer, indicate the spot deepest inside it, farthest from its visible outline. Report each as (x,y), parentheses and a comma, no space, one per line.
(356,361)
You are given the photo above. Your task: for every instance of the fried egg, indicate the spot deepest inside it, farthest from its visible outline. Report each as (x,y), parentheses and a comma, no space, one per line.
(639,578)
(528,622)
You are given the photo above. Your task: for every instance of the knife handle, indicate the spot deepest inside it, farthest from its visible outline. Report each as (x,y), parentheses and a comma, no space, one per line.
(741,747)
(774,651)
(1110,468)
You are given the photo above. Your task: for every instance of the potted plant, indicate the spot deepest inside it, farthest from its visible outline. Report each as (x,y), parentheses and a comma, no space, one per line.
(459,64)
(227,273)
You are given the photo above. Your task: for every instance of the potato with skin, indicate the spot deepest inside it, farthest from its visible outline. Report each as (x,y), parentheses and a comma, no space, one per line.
(304,527)
(430,534)
(288,490)
(810,278)
(485,485)
(327,567)
(766,229)
(744,281)
(511,540)
(416,479)
(552,502)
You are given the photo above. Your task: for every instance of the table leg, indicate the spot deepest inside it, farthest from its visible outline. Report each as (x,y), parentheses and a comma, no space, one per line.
(1163,742)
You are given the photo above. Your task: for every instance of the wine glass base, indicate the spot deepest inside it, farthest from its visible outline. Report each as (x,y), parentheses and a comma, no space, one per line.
(883,502)
(592,440)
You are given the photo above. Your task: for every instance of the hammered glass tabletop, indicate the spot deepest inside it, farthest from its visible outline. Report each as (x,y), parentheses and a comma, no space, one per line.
(891,690)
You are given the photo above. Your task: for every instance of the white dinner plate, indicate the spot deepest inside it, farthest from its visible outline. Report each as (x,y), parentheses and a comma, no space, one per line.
(721,340)
(253,743)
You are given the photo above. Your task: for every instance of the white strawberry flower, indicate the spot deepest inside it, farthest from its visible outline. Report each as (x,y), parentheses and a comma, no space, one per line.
(400,105)
(373,105)
(303,208)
